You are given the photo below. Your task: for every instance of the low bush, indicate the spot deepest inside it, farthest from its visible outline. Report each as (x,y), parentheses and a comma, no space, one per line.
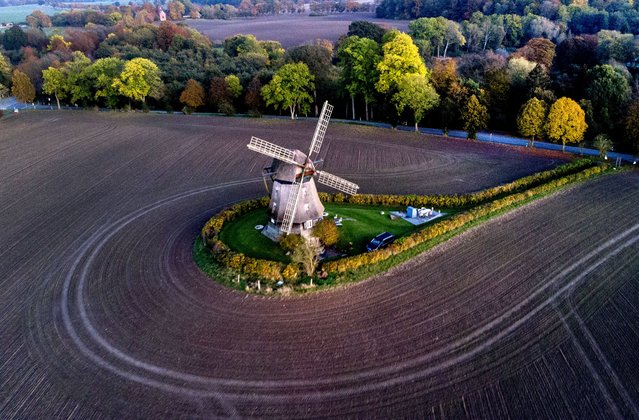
(326,231)
(290,242)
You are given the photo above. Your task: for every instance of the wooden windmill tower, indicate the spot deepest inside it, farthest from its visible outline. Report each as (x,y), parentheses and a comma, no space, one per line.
(295,205)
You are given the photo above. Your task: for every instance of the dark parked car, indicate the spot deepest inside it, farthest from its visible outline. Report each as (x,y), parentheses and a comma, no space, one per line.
(380,241)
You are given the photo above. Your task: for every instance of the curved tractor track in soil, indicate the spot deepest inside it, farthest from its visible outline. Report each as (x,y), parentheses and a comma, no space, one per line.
(104,313)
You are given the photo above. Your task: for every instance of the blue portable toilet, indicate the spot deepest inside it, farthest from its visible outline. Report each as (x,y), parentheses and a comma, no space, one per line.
(411,212)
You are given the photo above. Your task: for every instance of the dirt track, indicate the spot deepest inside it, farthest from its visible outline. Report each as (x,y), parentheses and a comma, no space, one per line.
(104,313)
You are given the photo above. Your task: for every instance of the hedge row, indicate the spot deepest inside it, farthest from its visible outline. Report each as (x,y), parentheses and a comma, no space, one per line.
(448,201)
(403,244)
(272,271)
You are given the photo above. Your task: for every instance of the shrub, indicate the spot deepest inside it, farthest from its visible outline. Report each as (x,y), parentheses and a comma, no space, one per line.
(290,242)
(291,272)
(326,231)
(227,109)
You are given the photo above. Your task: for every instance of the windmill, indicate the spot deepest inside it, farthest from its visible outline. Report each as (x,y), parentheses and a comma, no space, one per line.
(295,205)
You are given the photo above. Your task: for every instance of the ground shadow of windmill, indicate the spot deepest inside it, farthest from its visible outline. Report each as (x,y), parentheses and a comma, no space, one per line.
(295,206)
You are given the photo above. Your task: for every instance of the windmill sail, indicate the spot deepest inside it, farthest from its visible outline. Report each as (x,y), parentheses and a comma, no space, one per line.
(273,150)
(337,182)
(293,174)
(320,129)
(291,207)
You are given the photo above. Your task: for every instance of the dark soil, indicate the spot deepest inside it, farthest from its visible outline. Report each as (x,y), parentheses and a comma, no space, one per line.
(104,313)
(289,30)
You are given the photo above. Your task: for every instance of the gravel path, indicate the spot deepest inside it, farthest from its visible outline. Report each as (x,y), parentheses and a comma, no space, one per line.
(105,315)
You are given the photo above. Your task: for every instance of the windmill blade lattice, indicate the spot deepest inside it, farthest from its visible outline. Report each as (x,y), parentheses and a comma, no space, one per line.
(337,182)
(291,207)
(320,129)
(296,171)
(273,150)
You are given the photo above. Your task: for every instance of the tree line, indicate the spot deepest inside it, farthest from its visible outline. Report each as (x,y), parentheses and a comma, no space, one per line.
(369,73)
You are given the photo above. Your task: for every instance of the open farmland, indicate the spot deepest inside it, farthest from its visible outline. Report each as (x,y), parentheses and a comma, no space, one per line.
(104,313)
(289,30)
(17,14)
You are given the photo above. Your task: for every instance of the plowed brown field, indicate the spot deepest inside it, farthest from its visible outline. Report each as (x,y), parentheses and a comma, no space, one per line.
(104,313)
(289,30)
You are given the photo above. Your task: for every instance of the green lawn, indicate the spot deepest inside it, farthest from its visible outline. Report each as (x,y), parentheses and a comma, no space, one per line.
(359,225)
(240,235)
(367,222)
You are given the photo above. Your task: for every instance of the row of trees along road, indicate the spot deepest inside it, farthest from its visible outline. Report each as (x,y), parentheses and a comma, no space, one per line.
(369,73)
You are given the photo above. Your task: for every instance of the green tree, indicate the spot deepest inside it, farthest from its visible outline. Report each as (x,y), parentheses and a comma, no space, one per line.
(239,45)
(532,118)
(440,33)
(103,73)
(609,92)
(139,79)
(234,85)
(14,38)
(290,88)
(77,79)
(193,94)
(318,59)
(417,94)
(365,29)
(400,59)
(475,117)
(54,83)
(22,87)
(566,122)
(603,143)
(429,29)
(327,232)
(359,58)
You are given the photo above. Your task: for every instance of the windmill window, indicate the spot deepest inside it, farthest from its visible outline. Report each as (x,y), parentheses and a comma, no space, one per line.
(307,206)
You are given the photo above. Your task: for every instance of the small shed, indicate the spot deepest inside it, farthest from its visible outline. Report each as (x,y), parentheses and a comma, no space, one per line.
(411,212)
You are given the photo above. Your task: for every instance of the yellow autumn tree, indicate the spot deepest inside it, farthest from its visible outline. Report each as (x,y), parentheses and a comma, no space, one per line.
(400,59)
(566,122)
(22,87)
(531,118)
